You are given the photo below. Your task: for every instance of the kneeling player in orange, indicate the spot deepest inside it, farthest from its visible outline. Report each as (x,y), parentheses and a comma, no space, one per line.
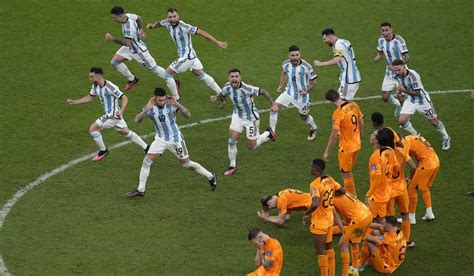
(359,217)
(285,201)
(269,254)
(322,191)
(385,247)
(425,174)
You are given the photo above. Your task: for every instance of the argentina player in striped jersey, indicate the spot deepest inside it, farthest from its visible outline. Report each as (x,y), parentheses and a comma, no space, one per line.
(133,47)
(393,47)
(162,110)
(245,116)
(344,57)
(296,82)
(417,100)
(109,95)
(181,33)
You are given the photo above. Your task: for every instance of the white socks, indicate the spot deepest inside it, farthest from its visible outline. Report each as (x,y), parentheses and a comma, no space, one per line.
(198,168)
(393,100)
(273,120)
(232,150)
(136,139)
(412,218)
(170,82)
(144,172)
(441,129)
(310,122)
(98,139)
(408,127)
(123,69)
(210,82)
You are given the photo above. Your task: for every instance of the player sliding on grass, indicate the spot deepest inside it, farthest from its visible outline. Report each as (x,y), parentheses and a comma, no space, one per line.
(134,48)
(187,59)
(161,109)
(245,116)
(109,95)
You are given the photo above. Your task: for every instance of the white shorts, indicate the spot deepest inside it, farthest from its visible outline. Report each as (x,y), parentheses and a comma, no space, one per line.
(348,90)
(106,121)
(179,148)
(426,109)
(389,84)
(285,100)
(183,64)
(251,128)
(144,58)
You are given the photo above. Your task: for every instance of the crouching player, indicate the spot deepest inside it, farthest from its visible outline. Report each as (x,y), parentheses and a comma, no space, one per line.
(269,254)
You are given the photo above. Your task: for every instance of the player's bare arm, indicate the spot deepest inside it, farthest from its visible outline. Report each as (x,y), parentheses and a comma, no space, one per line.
(266,95)
(121,41)
(153,25)
(361,126)
(83,100)
(337,220)
(378,56)
(283,80)
(274,219)
(333,61)
(142,115)
(314,205)
(406,58)
(124,106)
(180,108)
(209,37)
(331,142)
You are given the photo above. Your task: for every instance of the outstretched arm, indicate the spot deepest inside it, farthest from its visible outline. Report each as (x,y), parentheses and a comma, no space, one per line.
(274,219)
(153,25)
(83,100)
(121,41)
(266,95)
(283,80)
(209,37)
(333,61)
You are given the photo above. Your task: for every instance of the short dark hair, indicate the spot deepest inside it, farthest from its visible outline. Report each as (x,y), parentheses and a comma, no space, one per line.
(253,233)
(385,137)
(234,70)
(398,62)
(328,31)
(320,164)
(391,220)
(160,92)
(265,201)
(171,10)
(97,70)
(293,48)
(117,10)
(377,118)
(332,95)
(386,24)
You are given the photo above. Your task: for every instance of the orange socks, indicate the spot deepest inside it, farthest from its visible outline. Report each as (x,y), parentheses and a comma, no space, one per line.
(355,255)
(406,226)
(345,263)
(413,196)
(364,254)
(350,185)
(331,261)
(426,198)
(323,264)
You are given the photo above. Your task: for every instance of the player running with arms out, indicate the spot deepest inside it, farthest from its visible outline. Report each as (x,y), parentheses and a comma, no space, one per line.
(109,95)
(245,116)
(269,256)
(385,247)
(162,111)
(347,124)
(181,33)
(393,47)
(344,57)
(322,191)
(285,201)
(418,100)
(296,82)
(134,48)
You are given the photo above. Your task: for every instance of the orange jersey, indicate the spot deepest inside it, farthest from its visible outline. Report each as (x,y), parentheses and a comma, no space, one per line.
(392,246)
(346,119)
(292,200)
(324,188)
(351,208)
(273,252)
(398,181)
(382,166)
(422,150)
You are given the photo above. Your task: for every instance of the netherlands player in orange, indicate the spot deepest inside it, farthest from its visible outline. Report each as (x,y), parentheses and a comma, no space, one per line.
(347,123)
(285,201)
(359,217)
(269,254)
(382,166)
(425,174)
(385,247)
(399,193)
(322,191)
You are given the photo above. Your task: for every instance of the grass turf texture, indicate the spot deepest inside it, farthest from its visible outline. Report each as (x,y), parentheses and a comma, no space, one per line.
(80,222)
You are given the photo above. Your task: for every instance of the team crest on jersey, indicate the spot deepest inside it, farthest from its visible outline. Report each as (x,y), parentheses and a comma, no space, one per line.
(313,191)
(373,167)
(269,253)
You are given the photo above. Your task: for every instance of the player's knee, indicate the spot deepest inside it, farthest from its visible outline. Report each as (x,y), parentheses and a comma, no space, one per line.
(186,164)
(304,116)
(114,63)
(328,246)
(274,107)
(232,142)
(252,146)
(202,76)
(403,122)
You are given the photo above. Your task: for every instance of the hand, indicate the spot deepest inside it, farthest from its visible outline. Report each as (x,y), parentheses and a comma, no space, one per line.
(142,34)
(223,102)
(400,89)
(408,180)
(318,63)
(119,114)
(259,245)
(71,101)
(302,92)
(150,104)
(213,98)
(222,45)
(108,37)
(279,89)
(172,100)
(326,156)
(304,219)
(262,214)
(149,26)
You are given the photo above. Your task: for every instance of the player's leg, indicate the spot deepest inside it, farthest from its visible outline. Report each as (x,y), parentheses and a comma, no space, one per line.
(156,149)
(402,203)
(408,109)
(303,110)
(441,129)
(280,103)
(388,85)
(344,247)
(236,127)
(413,195)
(122,128)
(346,161)
(330,253)
(94,130)
(197,70)
(254,138)
(122,55)
(319,242)
(424,187)
(351,91)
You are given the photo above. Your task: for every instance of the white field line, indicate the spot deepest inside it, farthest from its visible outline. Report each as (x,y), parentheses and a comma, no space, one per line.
(11,202)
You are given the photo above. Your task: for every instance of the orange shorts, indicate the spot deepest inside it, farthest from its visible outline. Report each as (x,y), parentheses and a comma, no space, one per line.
(379,264)
(262,272)
(423,178)
(378,209)
(402,203)
(347,160)
(356,230)
(314,229)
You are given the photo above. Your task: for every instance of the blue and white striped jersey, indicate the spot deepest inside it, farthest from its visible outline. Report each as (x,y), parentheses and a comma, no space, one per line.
(349,71)
(109,96)
(412,81)
(393,49)
(181,35)
(242,98)
(298,79)
(164,120)
(130,30)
